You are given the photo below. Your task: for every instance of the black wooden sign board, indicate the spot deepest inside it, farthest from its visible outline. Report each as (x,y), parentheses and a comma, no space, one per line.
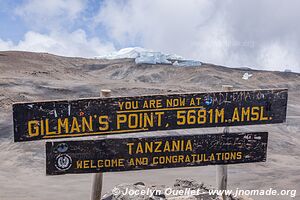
(126,154)
(100,116)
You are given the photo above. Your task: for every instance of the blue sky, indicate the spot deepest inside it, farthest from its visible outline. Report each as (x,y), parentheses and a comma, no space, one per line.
(261,34)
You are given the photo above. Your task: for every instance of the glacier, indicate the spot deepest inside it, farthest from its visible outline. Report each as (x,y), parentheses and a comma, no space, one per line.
(145,56)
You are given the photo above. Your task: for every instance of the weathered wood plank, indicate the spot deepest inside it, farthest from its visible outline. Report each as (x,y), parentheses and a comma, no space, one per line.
(100,116)
(125,154)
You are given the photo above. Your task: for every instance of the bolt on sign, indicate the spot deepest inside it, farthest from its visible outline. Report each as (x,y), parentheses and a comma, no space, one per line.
(126,154)
(99,116)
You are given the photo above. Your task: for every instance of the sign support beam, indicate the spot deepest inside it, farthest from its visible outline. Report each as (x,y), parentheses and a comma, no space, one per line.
(221,175)
(97,180)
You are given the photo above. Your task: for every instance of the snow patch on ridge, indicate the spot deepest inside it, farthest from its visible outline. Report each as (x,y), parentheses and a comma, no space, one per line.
(144,56)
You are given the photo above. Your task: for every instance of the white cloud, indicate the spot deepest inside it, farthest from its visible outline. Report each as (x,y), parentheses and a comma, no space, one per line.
(51,29)
(278,57)
(233,33)
(254,33)
(5,45)
(163,25)
(68,44)
(50,14)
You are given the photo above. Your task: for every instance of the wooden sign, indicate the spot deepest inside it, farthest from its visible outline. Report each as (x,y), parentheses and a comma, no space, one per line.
(126,154)
(100,116)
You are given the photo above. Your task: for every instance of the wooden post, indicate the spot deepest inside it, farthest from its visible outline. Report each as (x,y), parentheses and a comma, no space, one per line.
(222,169)
(97,180)
(105,93)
